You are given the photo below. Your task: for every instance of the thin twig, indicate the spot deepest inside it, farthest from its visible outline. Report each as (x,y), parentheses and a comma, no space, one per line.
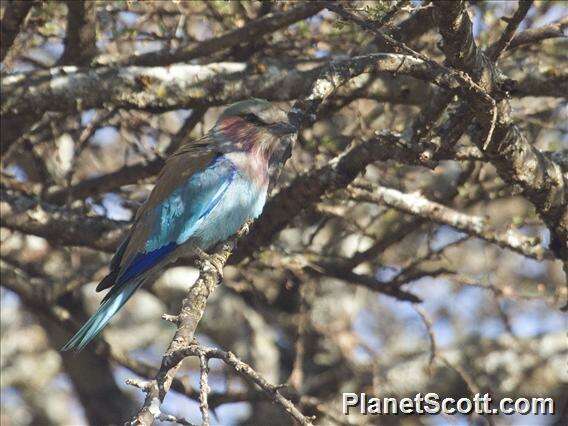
(204,388)
(494,51)
(246,371)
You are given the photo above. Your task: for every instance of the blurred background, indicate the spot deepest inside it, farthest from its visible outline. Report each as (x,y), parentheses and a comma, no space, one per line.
(308,306)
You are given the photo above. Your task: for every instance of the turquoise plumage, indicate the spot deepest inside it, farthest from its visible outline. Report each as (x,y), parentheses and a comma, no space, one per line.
(206,191)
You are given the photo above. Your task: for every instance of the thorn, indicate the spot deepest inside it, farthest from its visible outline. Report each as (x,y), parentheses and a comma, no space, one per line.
(174,319)
(140,384)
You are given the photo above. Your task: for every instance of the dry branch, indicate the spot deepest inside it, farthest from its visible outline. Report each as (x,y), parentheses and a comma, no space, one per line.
(476,226)
(60,226)
(193,307)
(339,224)
(535,35)
(251,31)
(504,41)
(516,160)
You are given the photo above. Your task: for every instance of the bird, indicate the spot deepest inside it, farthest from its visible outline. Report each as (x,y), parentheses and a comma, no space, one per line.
(206,191)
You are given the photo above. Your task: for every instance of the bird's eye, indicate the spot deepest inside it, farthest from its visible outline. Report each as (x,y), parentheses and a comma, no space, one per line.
(254,119)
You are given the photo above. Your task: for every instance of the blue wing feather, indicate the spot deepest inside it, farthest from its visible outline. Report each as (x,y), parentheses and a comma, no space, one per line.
(172,223)
(177,217)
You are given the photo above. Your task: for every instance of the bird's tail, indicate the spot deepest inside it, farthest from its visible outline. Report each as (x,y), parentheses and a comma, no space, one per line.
(113,301)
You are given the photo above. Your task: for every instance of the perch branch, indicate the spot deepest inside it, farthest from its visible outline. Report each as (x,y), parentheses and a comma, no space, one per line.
(192,309)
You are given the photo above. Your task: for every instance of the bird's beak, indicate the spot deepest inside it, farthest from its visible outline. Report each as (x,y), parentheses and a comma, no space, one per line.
(283,128)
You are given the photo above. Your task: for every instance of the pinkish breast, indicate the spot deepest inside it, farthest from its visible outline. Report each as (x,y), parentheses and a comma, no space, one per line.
(252,165)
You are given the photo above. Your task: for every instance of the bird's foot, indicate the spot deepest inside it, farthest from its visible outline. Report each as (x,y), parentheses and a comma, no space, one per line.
(212,259)
(218,264)
(244,229)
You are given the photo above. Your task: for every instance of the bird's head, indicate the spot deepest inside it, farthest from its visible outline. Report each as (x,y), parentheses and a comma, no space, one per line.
(254,125)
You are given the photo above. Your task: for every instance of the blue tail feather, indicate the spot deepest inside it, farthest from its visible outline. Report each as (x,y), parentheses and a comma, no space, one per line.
(144,261)
(125,284)
(108,308)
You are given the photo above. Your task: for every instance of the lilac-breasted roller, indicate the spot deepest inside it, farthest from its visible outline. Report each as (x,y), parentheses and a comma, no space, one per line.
(205,192)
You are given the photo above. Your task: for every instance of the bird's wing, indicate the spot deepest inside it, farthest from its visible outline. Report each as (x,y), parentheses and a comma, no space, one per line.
(188,187)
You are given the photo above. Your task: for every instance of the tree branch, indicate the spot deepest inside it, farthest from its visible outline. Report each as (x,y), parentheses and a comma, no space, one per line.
(495,50)
(251,31)
(81,38)
(309,188)
(553,83)
(516,160)
(193,305)
(182,86)
(59,226)
(40,292)
(248,373)
(534,35)
(475,226)
(111,403)
(458,42)
(15,13)
(338,73)
(126,175)
(192,309)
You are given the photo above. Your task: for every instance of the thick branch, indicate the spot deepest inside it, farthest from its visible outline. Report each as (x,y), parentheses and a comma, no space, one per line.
(458,43)
(126,175)
(80,40)
(179,86)
(193,86)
